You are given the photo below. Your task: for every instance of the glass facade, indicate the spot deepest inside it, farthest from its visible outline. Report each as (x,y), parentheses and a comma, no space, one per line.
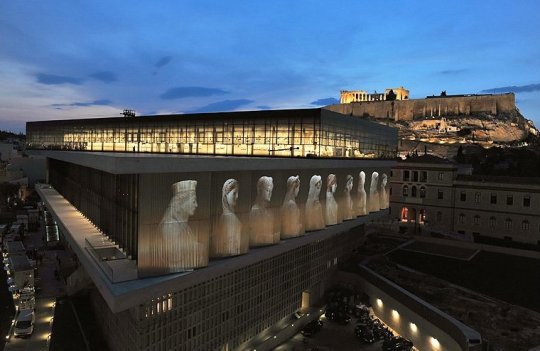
(286,133)
(108,200)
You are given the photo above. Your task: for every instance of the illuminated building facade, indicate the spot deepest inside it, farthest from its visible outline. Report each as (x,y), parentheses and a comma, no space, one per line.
(348,96)
(289,133)
(192,251)
(430,194)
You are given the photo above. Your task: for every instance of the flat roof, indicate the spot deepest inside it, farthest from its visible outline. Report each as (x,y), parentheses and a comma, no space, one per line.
(13,247)
(141,163)
(19,262)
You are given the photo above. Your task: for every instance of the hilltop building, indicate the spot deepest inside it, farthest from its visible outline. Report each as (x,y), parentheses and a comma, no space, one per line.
(348,96)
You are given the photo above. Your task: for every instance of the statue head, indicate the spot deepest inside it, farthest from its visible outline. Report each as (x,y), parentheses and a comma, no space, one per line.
(349,182)
(374,179)
(384,180)
(315,184)
(362,177)
(331,183)
(265,185)
(293,187)
(229,195)
(184,200)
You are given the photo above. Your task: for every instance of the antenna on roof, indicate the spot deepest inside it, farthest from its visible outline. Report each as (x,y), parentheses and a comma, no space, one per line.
(128,113)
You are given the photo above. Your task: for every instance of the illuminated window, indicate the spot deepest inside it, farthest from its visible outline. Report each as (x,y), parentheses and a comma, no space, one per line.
(422,217)
(404,214)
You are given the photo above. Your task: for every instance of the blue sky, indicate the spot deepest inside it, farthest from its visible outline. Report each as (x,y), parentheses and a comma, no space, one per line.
(66,59)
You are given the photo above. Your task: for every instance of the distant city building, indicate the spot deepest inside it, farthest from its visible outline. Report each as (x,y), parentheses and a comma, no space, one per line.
(199,232)
(348,96)
(430,194)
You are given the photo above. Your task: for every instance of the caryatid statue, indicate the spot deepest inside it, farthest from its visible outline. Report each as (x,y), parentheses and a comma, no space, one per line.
(383,195)
(331,208)
(261,219)
(374,193)
(361,196)
(178,247)
(291,222)
(227,238)
(348,208)
(314,215)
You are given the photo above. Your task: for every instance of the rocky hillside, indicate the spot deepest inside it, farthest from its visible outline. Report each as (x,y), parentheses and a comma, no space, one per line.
(505,128)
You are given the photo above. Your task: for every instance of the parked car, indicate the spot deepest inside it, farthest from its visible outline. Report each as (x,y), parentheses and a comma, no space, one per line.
(338,317)
(397,343)
(364,333)
(24,324)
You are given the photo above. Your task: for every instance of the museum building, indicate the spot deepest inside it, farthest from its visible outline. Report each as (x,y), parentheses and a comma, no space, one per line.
(198,232)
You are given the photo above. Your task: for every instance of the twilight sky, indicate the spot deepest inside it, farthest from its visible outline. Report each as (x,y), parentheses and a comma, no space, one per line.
(69,59)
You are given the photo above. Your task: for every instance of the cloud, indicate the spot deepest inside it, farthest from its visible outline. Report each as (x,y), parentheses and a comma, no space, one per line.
(165,60)
(514,89)
(263,107)
(326,101)
(105,76)
(454,71)
(185,92)
(102,102)
(223,106)
(51,79)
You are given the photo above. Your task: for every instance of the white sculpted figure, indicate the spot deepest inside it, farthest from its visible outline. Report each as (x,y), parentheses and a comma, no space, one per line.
(383,195)
(227,238)
(261,219)
(348,209)
(331,213)
(361,195)
(314,215)
(178,248)
(291,223)
(374,193)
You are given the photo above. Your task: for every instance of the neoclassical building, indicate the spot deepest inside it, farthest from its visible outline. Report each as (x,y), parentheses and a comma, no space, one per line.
(430,194)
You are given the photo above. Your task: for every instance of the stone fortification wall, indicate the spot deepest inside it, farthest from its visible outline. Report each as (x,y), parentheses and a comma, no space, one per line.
(407,110)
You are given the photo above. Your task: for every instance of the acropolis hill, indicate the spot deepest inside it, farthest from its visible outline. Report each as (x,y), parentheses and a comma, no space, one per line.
(443,119)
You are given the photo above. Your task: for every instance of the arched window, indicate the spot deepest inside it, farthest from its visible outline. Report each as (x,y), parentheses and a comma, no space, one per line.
(413,191)
(476,220)
(404,214)
(461,218)
(422,191)
(525,225)
(508,223)
(405,190)
(492,222)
